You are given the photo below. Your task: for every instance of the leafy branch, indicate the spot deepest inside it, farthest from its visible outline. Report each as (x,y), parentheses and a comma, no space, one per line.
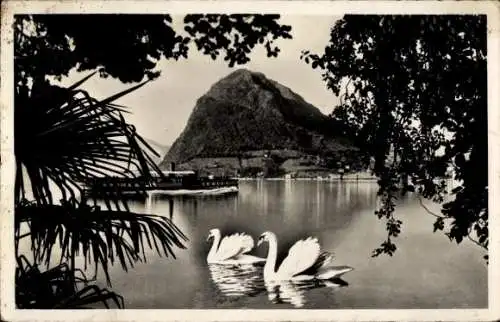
(425,102)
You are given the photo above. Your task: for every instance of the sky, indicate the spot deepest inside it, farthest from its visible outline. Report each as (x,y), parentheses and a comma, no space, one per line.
(160,109)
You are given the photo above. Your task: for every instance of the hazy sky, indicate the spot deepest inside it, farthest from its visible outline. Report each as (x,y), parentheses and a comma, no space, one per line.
(161,108)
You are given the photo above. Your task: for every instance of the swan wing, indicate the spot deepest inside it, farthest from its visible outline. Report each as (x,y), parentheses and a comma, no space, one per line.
(247,243)
(228,247)
(323,260)
(234,245)
(301,256)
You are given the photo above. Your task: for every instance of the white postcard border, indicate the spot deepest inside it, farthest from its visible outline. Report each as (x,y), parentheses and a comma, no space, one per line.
(7,264)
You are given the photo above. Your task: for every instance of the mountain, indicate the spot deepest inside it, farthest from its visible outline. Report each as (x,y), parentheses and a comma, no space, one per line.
(246,115)
(159,148)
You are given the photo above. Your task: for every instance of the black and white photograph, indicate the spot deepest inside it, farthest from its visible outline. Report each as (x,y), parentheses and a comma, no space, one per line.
(249,162)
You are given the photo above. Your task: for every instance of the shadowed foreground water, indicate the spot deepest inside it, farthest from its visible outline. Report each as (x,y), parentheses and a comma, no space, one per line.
(427,271)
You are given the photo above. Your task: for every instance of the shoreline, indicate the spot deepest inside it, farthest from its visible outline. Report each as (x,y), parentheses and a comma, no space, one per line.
(334,179)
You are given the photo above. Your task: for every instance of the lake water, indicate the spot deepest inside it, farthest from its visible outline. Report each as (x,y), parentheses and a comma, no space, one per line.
(427,271)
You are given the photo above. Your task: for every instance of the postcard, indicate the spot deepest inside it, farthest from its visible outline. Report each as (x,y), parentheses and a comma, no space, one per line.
(249,160)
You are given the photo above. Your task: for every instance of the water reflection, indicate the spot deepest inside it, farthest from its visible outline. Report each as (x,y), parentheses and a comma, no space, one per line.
(152,198)
(294,292)
(247,280)
(237,280)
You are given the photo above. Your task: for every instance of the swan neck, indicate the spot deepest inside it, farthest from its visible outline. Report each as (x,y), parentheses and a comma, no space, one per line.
(270,267)
(215,245)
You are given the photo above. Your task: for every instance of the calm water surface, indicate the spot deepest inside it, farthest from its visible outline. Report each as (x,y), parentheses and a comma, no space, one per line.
(427,271)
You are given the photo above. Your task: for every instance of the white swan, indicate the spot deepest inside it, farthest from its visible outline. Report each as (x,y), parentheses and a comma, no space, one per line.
(304,261)
(231,249)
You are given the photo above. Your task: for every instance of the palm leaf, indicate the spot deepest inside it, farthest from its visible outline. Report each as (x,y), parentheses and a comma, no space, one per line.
(98,234)
(65,135)
(83,80)
(66,139)
(57,288)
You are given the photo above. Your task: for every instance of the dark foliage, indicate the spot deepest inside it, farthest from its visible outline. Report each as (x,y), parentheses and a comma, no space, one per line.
(236,35)
(103,42)
(58,288)
(129,46)
(413,92)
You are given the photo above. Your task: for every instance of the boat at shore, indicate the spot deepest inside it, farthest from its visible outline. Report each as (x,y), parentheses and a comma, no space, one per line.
(169,183)
(195,192)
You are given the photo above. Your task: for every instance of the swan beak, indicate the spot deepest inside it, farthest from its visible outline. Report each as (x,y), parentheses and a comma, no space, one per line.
(260,241)
(208,238)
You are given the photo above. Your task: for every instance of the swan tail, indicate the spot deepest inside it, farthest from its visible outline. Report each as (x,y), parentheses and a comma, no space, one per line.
(334,272)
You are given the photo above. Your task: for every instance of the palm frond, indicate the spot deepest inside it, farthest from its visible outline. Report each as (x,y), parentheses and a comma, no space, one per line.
(66,137)
(83,80)
(57,288)
(95,234)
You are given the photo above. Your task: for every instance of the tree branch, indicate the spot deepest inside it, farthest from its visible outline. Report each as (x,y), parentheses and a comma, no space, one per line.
(428,210)
(344,96)
(475,241)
